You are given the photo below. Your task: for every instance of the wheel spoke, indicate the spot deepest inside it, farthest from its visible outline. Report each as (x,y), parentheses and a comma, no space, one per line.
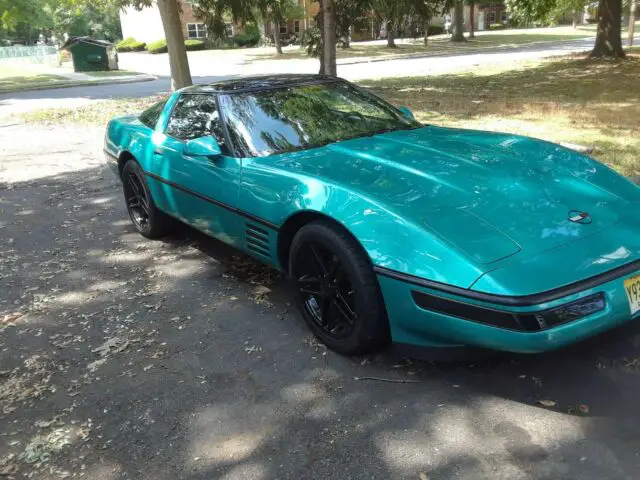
(320,267)
(328,317)
(309,285)
(343,307)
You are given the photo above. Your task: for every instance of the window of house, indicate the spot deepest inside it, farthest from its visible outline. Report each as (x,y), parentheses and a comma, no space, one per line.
(196,30)
(491,16)
(196,116)
(283,28)
(228,29)
(504,17)
(296,26)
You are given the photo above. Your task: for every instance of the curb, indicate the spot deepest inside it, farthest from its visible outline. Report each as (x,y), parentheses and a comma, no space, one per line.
(80,83)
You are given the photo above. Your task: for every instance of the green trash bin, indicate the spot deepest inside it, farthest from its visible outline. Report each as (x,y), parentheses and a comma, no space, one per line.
(91,55)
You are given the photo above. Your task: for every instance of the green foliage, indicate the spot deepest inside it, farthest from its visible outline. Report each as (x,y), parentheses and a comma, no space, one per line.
(219,44)
(436,29)
(192,45)
(311,41)
(130,45)
(26,19)
(247,39)
(527,12)
(159,46)
(496,26)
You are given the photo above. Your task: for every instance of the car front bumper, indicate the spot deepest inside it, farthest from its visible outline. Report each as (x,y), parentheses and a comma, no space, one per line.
(419,326)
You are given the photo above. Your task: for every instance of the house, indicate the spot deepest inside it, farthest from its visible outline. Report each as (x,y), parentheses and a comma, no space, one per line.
(146,26)
(484,15)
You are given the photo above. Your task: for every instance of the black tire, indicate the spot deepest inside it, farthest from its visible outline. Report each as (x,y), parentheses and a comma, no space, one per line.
(148,220)
(349,273)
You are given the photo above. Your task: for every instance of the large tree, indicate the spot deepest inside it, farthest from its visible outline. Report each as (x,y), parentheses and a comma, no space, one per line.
(608,41)
(458,22)
(608,36)
(348,12)
(329,37)
(275,13)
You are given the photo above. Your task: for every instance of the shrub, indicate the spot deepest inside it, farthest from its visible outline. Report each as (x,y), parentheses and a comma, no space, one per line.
(130,45)
(219,44)
(436,29)
(159,46)
(249,39)
(496,26)
(191,45)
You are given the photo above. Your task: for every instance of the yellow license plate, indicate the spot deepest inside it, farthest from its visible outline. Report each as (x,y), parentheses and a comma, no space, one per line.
(632,289)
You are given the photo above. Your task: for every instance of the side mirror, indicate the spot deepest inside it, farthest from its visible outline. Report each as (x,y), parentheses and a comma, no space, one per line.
(202,147)
(406,113)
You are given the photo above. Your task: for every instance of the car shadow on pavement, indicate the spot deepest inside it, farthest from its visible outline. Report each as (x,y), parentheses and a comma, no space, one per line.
(184,359)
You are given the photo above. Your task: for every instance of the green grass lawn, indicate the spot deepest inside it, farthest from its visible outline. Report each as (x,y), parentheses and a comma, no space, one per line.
(14,77)
(442,44)
(575,99)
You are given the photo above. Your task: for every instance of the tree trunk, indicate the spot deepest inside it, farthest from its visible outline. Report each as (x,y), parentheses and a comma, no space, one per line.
(632,21)
(320,20)
(275,26)
(608,41)
(426,32)
(472,20)
(178,61)
(458,23)
(329,40)
(576,18)
(391,35)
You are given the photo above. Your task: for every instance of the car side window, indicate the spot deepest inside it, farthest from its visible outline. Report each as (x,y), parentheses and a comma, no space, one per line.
(150,116)
(196,116)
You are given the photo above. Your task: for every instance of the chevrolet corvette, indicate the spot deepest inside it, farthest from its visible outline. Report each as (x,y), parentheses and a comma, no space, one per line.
(390,230)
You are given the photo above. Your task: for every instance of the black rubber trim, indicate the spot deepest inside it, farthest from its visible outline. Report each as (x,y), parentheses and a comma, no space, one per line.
(524,322)
(514,301)
(109,154)
(235,210)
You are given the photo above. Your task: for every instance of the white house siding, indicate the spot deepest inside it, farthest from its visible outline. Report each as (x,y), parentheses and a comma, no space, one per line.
(144,25)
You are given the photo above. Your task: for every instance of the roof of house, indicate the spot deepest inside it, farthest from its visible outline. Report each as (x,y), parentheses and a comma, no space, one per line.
(86,40)
(259,83)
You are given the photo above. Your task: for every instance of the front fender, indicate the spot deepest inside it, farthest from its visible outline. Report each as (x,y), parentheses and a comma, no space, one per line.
(390,240)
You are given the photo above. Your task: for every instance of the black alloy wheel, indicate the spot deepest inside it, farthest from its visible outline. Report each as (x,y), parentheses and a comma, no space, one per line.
(148,220)
(336,289)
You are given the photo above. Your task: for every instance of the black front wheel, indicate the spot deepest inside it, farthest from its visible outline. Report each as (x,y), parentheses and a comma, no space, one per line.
(337,291)
(149,221)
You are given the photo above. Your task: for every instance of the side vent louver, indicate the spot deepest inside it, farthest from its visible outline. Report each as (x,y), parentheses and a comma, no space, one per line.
(257,240)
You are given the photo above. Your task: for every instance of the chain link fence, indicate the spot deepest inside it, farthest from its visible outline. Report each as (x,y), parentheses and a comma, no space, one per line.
(39,54)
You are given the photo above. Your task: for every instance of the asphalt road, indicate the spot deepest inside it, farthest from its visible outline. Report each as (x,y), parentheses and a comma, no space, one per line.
(207,67)
(180,359)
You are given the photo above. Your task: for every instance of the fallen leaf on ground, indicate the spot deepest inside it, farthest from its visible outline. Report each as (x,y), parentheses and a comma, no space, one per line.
(11,318)
(546,403)
(112,345)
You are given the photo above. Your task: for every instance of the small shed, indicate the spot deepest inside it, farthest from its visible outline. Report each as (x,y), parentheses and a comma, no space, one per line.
(91,55)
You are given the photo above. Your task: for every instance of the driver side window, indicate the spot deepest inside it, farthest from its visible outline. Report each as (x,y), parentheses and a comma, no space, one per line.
(196,116)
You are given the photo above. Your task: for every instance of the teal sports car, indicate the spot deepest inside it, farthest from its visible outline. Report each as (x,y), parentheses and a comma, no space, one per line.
(390,230)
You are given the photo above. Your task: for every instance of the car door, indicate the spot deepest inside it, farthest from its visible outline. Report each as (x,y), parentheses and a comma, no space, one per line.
(201,191)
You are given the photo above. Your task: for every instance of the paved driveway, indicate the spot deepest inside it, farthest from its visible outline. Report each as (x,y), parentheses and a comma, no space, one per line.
(182,359)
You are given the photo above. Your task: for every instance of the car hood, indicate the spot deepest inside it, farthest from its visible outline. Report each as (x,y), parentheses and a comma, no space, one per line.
(490,195)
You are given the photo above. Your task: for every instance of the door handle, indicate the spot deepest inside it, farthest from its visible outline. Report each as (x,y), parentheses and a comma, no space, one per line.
(158,151)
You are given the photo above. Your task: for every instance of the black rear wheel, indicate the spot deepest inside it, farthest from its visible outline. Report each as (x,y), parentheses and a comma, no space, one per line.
(337,291)
(148,220)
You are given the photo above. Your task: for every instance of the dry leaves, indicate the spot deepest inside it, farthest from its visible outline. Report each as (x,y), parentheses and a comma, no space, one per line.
(546,403)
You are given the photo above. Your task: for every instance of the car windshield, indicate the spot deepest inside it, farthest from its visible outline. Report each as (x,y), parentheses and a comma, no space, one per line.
(305,116)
